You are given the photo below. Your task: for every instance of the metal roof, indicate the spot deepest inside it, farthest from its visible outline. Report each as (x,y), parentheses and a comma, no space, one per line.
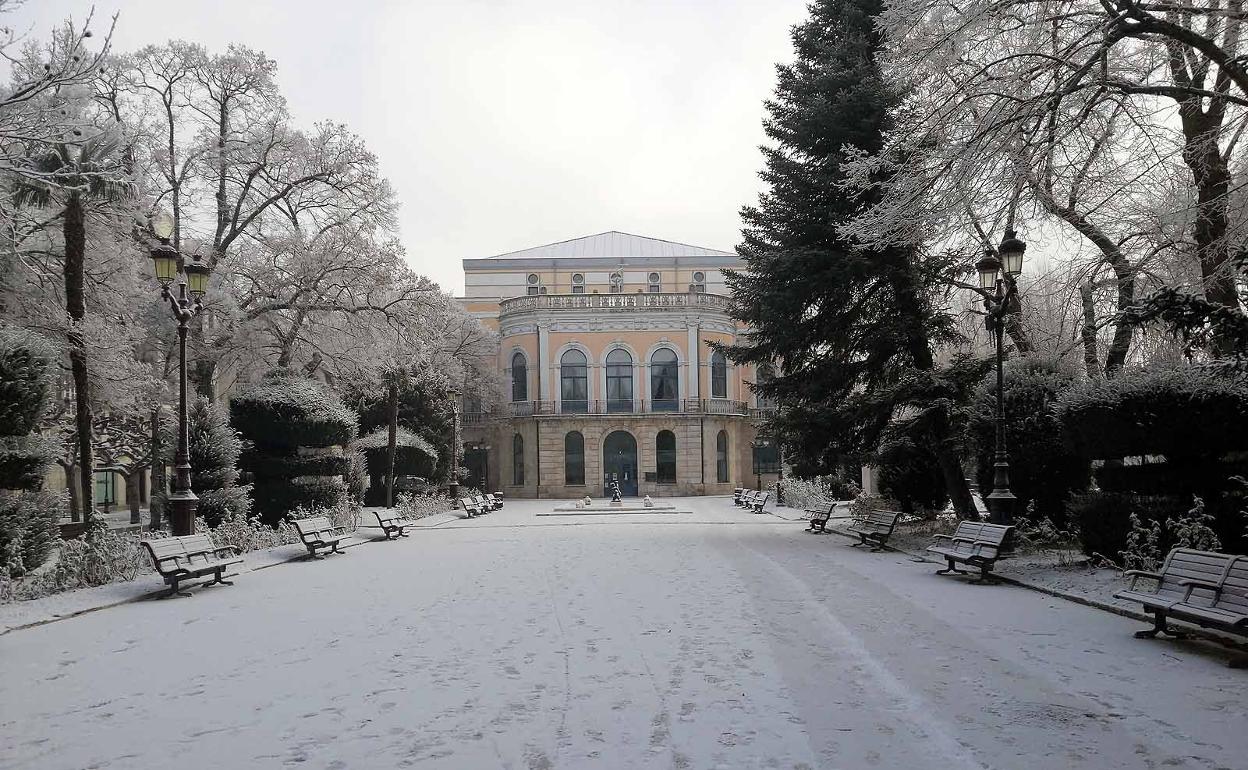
(613,244)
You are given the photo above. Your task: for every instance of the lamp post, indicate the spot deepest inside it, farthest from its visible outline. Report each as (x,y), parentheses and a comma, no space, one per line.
(194,279)
(997,280)
(453,486)
(759,442)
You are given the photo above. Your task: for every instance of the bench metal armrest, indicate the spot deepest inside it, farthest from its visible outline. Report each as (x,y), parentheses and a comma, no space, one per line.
(943,537)
(1136,574)
(1194,584)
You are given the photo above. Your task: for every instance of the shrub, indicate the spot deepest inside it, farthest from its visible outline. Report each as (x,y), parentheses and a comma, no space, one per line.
(280,416)
(28,530)
(817,491)
(1175,412)
(1104,518)
(420,506)
(25,371)
(285,412)
(1043,470)
(1149,542)
(25,459)
(910,474)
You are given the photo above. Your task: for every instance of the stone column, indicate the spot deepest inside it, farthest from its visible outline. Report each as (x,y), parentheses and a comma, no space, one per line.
(694,356)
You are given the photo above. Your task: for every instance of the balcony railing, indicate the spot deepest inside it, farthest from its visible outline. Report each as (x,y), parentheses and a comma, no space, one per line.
(625,406)
(615,302)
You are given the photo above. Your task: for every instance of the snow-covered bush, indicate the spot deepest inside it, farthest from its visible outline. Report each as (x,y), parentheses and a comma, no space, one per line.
(1033,532)
(817,491)
(1043,470)
(1104,518)
(1175,412)
(413,456)
(420,506)
(28,529)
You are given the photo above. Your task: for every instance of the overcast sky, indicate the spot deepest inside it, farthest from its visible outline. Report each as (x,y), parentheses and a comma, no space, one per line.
(511,123)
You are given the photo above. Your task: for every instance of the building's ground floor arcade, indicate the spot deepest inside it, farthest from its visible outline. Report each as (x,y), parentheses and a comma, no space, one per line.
(570,456)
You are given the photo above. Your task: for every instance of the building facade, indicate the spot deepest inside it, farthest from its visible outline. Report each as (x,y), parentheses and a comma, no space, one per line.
(606,352)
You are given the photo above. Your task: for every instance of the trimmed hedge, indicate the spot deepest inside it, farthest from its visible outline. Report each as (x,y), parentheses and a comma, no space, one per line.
(1176,412)
(284,412)
(273,466)
(1104,518)
(1043,470)
(275,499)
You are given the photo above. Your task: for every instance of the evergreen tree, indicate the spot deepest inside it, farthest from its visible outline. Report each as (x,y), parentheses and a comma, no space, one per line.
(214,449)
(851,328)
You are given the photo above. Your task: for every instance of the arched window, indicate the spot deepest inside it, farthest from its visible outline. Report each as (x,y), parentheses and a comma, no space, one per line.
(721,457)
(664,381)
(719,375)
(517,460)
(619,381)
(574,382)
(665,454)
(519,378)
(574,459)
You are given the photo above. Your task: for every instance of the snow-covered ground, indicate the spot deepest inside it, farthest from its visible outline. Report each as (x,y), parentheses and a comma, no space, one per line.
(709,639)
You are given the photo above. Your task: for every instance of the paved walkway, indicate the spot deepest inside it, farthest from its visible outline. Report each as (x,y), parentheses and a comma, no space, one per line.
(711,639)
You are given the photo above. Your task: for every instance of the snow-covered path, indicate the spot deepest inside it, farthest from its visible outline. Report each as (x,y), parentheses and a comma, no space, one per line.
(702,640)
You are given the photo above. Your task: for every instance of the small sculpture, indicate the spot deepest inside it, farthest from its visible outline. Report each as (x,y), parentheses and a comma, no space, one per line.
(647,502)
(615,491)
(588,501)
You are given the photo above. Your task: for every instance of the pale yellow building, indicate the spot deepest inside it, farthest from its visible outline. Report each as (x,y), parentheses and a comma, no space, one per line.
(605,349)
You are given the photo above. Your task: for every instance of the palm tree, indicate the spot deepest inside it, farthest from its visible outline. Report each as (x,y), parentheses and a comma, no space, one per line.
(74,176)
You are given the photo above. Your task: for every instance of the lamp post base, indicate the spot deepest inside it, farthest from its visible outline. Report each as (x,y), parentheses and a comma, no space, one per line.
(1001,507)
(181,512)
(453,491)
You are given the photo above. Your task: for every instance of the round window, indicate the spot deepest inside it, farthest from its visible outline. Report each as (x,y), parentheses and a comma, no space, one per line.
(578,278)
(654,278)
(533,279)
(699,277)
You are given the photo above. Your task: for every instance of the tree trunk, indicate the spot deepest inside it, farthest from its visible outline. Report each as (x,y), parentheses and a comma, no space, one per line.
(951,469)
(132,494)
(71,486)
(160,485)
(75,234)
(392,440)
(1087,333)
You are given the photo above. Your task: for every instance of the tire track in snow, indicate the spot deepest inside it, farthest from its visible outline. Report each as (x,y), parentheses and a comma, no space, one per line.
(942,742)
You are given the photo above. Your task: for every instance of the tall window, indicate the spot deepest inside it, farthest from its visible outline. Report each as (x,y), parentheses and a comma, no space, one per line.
(519,378)
(763,375)
(619,381)
(721,457)
(574,459)
(574,382)
(517,460)
(665,453)
(766,457)
(105,488)
(664,381)
(719,375)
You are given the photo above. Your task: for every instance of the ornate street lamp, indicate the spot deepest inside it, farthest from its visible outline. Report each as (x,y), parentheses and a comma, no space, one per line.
(182,501)
(759,442)
(997,280)
(453,486)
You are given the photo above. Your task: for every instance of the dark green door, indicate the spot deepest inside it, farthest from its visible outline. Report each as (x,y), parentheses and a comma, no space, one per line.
(619,462)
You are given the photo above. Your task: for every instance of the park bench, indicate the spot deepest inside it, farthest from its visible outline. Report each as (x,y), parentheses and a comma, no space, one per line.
(470,506)
(316,533)
(488,503)
(392,526)
(1201,587)
(973,543)
(748,497)
(737,492)
(759,502)
(819,518)
(874,528)
(498,499)
(191,556)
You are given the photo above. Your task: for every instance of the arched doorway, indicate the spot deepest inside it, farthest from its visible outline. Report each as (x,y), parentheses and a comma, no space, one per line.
(619,462)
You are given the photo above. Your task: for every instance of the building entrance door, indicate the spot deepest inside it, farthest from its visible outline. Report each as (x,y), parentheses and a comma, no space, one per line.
(619,462)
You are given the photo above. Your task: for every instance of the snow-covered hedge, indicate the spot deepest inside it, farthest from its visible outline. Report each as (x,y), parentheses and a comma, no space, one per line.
(1176,412)
(1043,470)
(28,529)
(817,492)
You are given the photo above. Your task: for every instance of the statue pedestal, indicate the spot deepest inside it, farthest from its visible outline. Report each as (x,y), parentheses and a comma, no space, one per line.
(616,503)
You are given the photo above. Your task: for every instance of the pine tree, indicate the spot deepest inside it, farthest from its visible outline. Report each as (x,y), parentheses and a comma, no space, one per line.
(852,328)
